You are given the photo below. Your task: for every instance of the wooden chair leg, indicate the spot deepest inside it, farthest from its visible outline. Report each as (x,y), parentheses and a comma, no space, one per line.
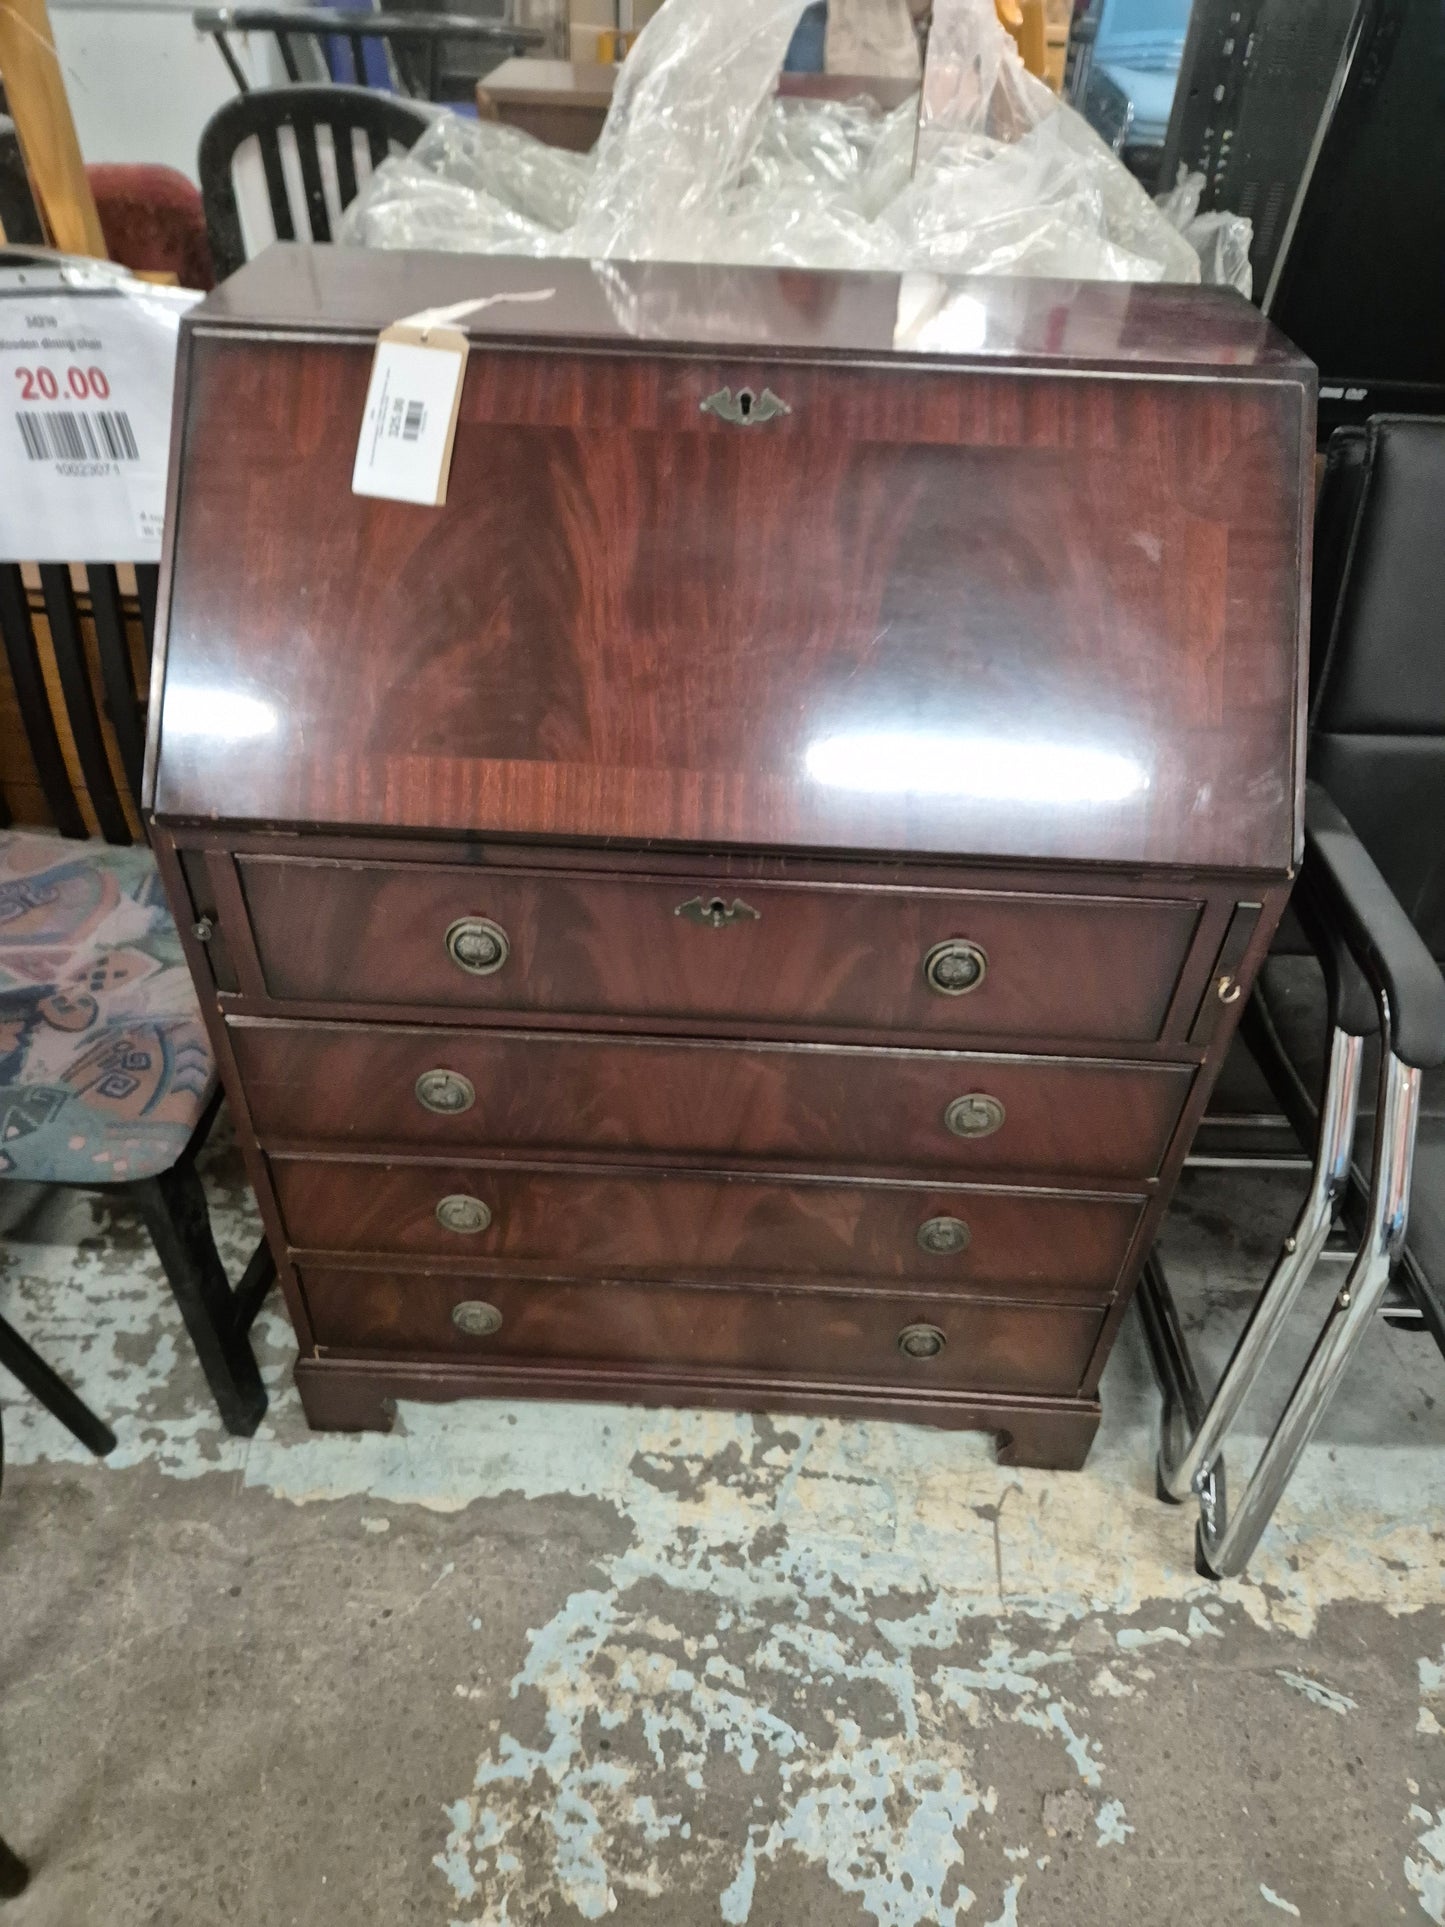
(174,1207)
(14,1874)
(53,1392)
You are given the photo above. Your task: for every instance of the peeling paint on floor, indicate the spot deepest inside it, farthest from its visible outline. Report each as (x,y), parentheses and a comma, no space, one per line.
(1278,1900)
(845,1652)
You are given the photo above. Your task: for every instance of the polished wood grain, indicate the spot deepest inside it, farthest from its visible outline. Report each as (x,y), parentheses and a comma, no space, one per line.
(360,1394)
(565,102)
(992,633)
(851,1335)
(813,956)
(816,1106)
(570,1218)
(1025,615)
(1011,321)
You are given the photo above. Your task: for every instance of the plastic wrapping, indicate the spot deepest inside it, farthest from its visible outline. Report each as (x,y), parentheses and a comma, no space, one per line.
(1222,241)
(699,160)
(473,187)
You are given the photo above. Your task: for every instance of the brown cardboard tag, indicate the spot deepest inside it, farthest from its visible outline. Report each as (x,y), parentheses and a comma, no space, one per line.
(409,423)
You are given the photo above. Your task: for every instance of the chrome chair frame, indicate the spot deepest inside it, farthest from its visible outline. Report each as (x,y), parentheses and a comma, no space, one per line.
(1383,981)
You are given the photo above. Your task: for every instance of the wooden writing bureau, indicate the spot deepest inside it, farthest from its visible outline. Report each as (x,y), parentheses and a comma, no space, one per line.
(743,905)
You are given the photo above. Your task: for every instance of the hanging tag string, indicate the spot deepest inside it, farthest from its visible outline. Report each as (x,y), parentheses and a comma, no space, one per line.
(428,318)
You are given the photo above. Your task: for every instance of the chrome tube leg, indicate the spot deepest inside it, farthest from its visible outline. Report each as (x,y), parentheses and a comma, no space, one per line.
(1182,1399)
(1184,1462)
(1226,1544)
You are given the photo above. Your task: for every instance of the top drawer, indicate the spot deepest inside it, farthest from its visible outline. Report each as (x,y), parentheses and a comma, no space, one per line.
(824,955)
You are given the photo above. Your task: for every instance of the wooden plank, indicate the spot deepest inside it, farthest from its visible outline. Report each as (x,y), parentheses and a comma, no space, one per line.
(35,92)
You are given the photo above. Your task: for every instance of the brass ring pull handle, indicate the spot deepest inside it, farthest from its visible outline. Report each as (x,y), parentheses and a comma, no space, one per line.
(745,409)
(976,1115)
(714,913)
(942,1237)
(921,1341)
(459,1212)
(447,1093)
(1229,990)
(478,946)
(476,1318)
(955,967)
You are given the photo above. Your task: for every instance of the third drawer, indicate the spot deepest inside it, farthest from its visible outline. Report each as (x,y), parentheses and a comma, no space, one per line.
(816,1107)
(948,1239)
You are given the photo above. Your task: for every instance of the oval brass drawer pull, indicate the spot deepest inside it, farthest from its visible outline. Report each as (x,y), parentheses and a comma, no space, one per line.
(921,1341)
(478,946)
(459,1212)
(955,967)
(476,1318)
(943,1236)
(447,1093)
(976,1115)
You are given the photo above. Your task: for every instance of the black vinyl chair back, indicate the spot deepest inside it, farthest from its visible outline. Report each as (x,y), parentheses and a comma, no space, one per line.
(1377,712)
(340,114)
(95,634)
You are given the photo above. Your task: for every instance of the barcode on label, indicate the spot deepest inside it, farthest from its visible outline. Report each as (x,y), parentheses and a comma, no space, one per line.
(78,435)
(411,424)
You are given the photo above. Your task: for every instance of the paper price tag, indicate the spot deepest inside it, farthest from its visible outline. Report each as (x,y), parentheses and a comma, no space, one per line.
(404,453)
(87,363)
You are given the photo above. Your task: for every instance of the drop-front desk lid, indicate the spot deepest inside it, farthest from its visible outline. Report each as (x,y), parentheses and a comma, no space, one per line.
(1014,571)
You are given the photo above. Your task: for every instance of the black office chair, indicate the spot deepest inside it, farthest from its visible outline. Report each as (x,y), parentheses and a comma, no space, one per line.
(1351,999)
(341,115)
(107,1080)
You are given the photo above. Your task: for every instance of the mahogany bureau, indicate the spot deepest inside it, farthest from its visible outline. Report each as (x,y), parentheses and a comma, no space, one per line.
(745,903)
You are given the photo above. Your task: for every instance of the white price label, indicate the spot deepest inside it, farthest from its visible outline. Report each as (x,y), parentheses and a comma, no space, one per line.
(87,365)
(404,452)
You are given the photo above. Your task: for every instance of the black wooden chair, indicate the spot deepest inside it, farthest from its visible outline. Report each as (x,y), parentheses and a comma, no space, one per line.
(107,1079)
(322,121)
(406,51)
(1342,1044)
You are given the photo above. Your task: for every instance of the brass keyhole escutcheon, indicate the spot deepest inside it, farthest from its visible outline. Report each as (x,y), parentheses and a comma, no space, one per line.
(745,408)
(716,913)
(478,946)
(942,1237)
(459,1212)
(976,1115)
(476,1318)
(921,1341)
(447,1093)
(955,967)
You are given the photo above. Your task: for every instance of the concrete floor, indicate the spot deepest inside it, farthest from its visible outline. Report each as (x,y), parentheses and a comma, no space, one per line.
(544,1664)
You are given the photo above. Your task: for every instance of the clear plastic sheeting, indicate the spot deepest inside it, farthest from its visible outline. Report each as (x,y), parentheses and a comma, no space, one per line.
(700,160)
(473,187)
(1222,241)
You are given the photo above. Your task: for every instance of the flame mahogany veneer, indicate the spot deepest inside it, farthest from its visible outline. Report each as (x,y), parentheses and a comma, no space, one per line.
(785,638)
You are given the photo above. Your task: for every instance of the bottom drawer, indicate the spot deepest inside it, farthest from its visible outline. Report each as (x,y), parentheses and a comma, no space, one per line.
(875,1337)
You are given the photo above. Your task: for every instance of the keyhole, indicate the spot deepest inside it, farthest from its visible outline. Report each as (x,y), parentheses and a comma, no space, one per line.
(745,402)
(717,912)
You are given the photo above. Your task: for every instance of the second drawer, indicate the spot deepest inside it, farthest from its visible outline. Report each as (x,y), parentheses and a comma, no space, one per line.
(1024,1243)
(817,1106)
